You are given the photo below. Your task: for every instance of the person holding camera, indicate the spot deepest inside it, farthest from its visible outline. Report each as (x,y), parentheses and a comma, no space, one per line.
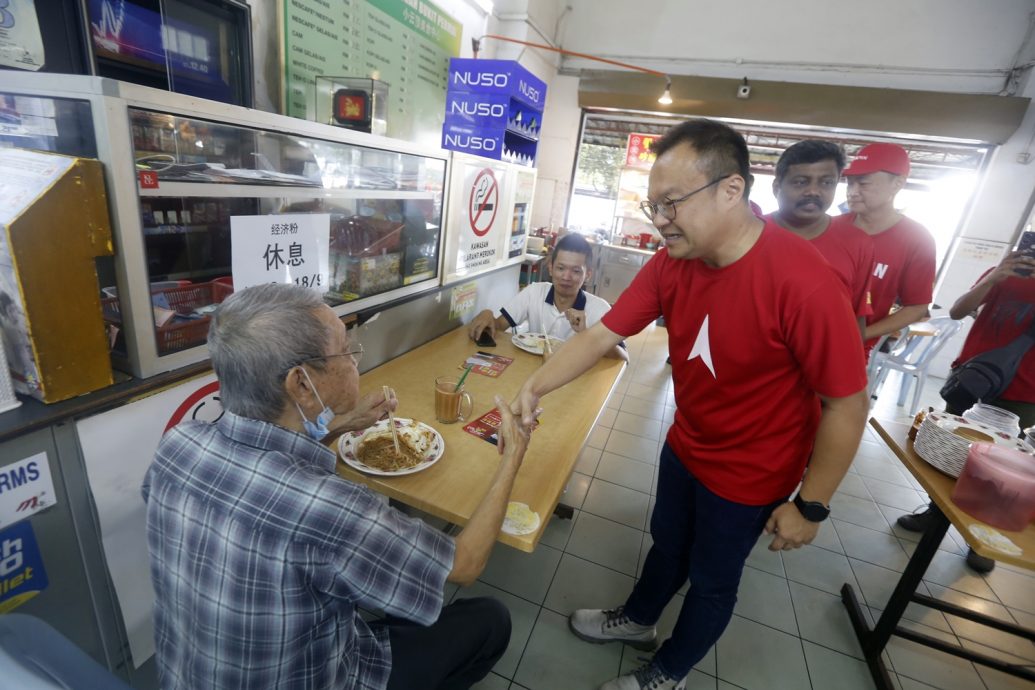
(1004,300)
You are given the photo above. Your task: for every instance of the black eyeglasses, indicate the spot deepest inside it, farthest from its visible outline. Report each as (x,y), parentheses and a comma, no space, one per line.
(667,208)
(356,353)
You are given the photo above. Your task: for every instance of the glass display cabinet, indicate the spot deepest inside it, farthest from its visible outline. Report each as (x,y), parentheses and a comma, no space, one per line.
(179,168)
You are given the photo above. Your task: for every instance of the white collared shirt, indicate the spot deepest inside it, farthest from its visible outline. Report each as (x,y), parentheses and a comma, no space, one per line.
(535,307)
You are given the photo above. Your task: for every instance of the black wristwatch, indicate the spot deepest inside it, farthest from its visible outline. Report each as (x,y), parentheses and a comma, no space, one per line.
(813,511)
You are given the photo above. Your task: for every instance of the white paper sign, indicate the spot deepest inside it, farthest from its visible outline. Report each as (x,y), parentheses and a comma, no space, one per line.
(25,489)
(290,248)
(118,447)
(21,43)
(24,175)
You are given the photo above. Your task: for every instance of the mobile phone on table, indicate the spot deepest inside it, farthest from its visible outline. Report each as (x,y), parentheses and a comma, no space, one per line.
(1027,247)
(485,339)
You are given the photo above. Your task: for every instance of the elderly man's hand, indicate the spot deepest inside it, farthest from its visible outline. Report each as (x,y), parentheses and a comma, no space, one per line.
(512,435)
(369,409)
(791,528)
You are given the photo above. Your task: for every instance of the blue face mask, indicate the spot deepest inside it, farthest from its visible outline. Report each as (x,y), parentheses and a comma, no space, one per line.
(318,429)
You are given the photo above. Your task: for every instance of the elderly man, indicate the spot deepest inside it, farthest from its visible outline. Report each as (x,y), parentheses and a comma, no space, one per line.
(807,174)
(560,308)
(767,383)
(261,555)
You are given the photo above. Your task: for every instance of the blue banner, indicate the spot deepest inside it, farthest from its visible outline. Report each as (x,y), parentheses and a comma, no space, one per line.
(497,77)
(476,110)
(481,141)
(22,575)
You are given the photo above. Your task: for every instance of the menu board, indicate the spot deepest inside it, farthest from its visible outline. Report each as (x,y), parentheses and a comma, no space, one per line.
(404,43)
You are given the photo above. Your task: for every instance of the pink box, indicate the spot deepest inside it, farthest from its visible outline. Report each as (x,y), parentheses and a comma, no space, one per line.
(997,486)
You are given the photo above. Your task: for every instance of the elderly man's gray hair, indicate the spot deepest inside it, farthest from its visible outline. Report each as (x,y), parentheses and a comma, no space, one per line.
(256,336)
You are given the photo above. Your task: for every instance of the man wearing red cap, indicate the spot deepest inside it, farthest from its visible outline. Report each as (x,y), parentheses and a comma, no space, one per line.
(903,250)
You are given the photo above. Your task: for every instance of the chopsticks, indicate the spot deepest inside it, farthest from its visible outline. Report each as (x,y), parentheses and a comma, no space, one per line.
(391,419)
(547,345)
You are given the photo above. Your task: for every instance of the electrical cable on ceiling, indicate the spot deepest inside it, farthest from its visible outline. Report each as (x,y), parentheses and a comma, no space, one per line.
(666,97)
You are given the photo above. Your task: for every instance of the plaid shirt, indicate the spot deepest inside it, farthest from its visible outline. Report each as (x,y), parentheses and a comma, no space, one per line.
(260,555)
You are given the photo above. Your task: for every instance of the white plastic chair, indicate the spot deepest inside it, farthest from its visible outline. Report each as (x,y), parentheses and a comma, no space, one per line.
(911,355)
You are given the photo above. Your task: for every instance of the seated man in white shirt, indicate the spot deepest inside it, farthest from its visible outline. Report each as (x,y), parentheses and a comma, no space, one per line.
(560,308)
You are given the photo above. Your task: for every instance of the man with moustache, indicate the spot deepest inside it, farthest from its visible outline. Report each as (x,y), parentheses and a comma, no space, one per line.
(752,313)
(903,250)
(806,179)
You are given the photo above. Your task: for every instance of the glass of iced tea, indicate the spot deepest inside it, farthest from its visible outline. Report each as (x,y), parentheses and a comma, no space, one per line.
(450,400)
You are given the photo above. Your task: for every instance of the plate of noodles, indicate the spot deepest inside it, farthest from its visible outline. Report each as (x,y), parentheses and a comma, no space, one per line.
(372,450)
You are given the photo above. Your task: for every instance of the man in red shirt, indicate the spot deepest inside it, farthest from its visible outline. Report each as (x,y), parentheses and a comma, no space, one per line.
(762,339)
(1006,298)
(806,179)
(903,250)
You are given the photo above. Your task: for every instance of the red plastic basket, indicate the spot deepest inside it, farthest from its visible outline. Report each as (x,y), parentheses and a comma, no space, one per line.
(183,300)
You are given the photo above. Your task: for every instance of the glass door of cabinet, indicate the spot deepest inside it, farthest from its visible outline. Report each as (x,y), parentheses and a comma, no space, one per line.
(385,211)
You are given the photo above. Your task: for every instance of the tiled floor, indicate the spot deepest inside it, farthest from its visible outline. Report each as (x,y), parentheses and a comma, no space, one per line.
(790,630)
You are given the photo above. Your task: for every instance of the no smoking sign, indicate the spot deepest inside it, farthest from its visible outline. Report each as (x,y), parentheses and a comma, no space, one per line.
(484,202)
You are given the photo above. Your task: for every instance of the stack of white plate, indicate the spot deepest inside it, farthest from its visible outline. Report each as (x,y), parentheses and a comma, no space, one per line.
(943,440)
(1001,419)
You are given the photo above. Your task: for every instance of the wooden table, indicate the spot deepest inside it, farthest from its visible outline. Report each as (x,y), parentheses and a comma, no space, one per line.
(939,487)
(452,487)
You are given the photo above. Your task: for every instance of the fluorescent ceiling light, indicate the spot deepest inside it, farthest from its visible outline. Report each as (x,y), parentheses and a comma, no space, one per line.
(666,98)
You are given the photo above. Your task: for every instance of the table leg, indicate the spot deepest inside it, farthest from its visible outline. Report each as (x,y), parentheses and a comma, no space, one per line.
(873,641)
(564,512)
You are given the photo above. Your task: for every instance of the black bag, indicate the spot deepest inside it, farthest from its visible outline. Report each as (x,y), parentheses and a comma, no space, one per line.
(986,376)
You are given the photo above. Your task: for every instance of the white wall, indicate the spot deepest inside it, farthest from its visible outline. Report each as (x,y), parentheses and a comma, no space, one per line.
(935,45)
(942,45)
(537,21)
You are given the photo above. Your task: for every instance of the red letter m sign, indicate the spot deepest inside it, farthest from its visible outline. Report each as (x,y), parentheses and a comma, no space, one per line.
(28,504)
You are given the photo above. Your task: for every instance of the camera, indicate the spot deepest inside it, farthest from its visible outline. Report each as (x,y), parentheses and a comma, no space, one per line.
(743,91)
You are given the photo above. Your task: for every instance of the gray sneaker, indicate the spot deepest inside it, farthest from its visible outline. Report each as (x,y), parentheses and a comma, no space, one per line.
(612,625)
(648,677)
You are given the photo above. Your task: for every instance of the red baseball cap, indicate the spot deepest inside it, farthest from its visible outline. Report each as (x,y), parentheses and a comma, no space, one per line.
(890,158)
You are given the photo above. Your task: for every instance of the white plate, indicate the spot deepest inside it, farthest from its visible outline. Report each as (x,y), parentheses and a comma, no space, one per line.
(533,342)
(1000,438)
(937,444)
(520,519)
(419,434)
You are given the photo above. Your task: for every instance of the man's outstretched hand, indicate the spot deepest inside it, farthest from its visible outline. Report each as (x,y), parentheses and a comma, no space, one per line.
(512,435)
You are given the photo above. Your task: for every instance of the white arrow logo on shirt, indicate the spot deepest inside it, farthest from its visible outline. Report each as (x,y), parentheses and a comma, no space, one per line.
(702,348)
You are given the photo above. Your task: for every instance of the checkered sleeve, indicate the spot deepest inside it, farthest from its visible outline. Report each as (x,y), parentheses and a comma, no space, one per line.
(389,561)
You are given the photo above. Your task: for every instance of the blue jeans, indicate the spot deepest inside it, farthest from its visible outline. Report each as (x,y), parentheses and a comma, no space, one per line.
(705,538)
